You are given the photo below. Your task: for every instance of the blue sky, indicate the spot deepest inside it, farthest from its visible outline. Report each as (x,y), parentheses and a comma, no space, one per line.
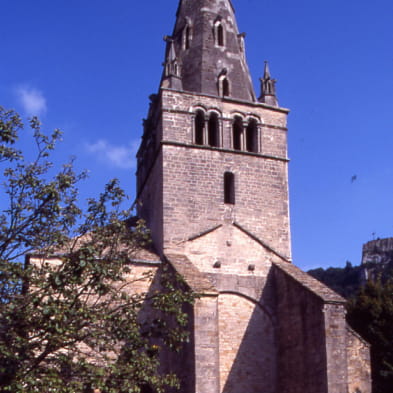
(88,67)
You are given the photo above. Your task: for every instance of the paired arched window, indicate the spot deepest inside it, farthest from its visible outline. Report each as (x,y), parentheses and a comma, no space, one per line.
(245,137)
(207,129)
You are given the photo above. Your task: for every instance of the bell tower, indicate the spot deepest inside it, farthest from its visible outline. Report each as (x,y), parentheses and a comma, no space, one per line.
(213,188)
(212,154)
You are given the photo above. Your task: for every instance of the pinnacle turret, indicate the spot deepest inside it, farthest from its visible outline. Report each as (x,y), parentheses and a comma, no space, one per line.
(210,51)
(172,69)
(268,88)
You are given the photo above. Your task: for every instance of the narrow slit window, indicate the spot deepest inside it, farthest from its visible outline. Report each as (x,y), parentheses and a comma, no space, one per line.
(225,87)
(223,84)
(220,35)
(229,188)
(252,137)
(187,37)
(237,133)
(213,130)
(199,127)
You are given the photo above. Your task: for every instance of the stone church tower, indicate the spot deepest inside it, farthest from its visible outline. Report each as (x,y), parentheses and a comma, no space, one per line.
(213,188)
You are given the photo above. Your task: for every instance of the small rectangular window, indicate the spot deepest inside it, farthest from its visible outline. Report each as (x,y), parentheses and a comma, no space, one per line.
(229,188)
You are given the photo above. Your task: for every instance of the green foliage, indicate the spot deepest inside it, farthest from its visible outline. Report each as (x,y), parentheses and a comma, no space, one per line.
(370,313)
(345,281)
(70,317)
(10,125)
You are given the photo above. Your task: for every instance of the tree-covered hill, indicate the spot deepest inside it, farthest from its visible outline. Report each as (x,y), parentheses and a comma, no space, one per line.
(345,281)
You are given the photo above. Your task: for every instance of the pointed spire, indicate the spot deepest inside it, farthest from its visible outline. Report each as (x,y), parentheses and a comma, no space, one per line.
(172,52)
(206,40)
(266,74)
(172,69)
(268,88)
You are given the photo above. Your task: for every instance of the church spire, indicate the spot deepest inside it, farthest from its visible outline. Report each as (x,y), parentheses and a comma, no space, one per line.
(210,50)
(268,88)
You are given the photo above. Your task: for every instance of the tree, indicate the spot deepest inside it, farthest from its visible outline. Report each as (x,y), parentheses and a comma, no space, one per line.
(345,281)
(70,318)
(371,314)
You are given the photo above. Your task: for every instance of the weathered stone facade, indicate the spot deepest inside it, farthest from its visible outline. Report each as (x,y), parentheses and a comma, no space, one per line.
(213,188)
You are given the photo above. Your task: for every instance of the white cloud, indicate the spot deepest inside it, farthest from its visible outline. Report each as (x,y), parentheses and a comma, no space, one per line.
(118,156)
(32,100)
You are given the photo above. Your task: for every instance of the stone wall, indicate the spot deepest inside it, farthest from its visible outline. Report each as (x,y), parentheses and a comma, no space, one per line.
(193,175)
(178,109)
(301,342)
(228,250)
(247,346)
(186,180)
(259,192)
(318,353)
(336,346)
(358,364)
(283,332)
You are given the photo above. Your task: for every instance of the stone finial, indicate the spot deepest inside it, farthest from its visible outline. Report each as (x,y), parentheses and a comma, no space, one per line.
(268,88)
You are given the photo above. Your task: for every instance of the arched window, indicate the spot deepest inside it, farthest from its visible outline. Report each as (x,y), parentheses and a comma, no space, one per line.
(225,87)
(237,133)
(213,130)
(187,37)
(199,128)
(220,34)
(252,136)
(229,188)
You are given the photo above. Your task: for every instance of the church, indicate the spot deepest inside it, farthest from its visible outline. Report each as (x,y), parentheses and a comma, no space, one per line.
(212,186)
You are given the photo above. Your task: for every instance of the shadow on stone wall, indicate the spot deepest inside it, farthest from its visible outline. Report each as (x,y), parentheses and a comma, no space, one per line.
(301,338)
(254,369)
(283,348)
